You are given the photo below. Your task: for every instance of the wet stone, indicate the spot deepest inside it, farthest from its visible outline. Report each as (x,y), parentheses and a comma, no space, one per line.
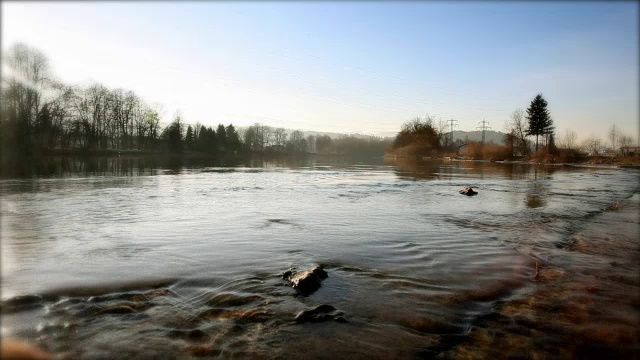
(320,313)
(306,282)
(21,303)
(468,191)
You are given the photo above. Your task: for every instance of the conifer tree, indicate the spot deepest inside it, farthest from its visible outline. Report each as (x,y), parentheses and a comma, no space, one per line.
(233,139)
(189,140)
(221,136)
(540,122)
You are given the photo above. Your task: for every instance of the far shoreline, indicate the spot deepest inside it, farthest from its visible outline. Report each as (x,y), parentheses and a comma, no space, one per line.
(590,162)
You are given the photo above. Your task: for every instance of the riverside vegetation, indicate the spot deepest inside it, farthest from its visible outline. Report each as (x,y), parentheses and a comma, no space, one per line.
(426,137)
(42,116)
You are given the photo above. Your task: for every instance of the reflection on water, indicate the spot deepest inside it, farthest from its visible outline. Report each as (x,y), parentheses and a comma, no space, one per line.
(96,166)
(129,165)
(184,258)
(442,169)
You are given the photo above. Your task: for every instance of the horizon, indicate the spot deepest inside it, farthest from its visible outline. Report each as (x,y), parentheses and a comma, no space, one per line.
(377,66)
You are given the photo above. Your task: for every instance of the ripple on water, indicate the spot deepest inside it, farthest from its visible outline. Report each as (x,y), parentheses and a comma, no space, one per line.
(414,269)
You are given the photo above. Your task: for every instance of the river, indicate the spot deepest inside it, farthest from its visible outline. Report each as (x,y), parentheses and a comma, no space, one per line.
(122,258)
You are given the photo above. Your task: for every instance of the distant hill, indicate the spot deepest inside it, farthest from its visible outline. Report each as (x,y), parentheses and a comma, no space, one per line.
(333,135)
(491,136)
(391,134)
(495,137)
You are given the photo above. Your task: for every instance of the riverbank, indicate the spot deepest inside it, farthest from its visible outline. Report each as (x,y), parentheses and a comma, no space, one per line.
(630,162)
(583,305)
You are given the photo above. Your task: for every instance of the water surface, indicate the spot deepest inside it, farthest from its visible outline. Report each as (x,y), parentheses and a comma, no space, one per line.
(173,260)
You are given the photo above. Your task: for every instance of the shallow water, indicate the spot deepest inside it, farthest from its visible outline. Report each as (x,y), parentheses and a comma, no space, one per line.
(154,260)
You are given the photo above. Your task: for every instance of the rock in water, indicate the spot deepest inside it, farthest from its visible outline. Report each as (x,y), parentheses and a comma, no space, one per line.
(468,191)
(317,314)
(306,282)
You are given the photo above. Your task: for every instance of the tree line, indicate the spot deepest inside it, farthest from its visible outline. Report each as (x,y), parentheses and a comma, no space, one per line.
(41,115)
(537,122)
(428,137)
(423,136)
(264,138)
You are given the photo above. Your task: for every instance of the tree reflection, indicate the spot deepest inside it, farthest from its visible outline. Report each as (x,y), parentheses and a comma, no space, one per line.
(537,192)
(410,169)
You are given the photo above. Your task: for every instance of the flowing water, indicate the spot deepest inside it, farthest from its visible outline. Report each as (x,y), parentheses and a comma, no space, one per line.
(130,259)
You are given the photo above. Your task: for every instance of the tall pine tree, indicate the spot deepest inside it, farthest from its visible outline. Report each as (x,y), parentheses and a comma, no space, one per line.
(540,122)
(189,139)
(222,138)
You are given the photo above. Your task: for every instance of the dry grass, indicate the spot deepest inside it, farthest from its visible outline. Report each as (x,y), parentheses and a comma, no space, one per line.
(414,149)
(478,151)
(559,156)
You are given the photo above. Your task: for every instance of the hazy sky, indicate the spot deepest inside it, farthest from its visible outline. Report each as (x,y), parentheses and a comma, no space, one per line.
(349,67)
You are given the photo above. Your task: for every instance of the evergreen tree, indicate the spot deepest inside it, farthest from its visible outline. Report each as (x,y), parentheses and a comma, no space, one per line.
(201,141)
(552,143)
(189,140)
(540,122)
(211,142)
(233,139)
(221,135)
(172,134)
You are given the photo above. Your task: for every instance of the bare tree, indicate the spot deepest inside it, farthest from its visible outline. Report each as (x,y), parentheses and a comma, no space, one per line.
(256,137)
(311,143)
(267,135)
(323,144)
(441,131)
(625,141)
(297,141)
(517,127)
(569,140)
(592,145)
(24,88)
(279,137)
(614,134)
(152,119)
(196,129)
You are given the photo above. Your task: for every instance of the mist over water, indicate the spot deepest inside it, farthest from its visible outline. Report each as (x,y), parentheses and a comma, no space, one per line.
(155,259)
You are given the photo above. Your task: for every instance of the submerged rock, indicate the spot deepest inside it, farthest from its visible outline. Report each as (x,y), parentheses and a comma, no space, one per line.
(319,314)
(20,303)
(306,282)
(118,310)
(468,191)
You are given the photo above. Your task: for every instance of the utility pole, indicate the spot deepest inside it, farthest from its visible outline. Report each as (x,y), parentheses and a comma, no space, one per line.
(451,123)
(483,127)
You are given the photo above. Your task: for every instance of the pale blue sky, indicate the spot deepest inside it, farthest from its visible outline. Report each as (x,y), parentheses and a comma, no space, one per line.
(350,67)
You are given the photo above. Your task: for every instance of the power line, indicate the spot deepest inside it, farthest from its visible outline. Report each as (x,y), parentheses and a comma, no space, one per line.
(483,127)
(451,123)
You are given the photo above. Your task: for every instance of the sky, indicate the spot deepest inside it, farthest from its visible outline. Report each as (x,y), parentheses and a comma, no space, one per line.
(357,67)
